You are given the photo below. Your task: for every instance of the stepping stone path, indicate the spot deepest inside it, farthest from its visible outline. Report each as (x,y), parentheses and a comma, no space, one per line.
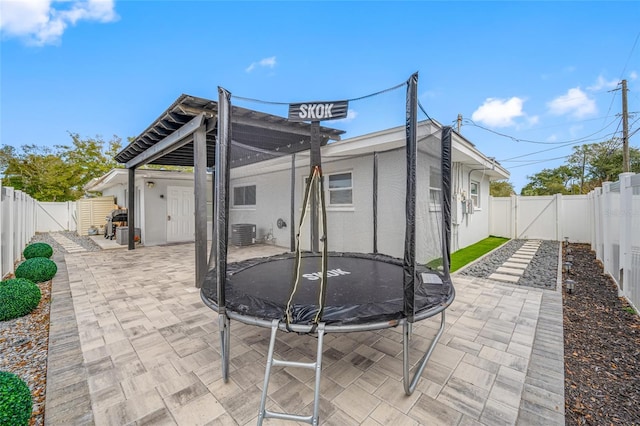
(67,244)
(514,267)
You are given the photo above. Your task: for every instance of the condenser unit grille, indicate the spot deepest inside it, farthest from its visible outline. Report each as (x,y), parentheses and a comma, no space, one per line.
(243,234)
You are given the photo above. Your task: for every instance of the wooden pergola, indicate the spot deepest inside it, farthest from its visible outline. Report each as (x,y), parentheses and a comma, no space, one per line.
(185,134)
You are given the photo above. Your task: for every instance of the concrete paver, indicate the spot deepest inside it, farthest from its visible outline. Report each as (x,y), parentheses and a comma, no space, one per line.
(511,271)
(515,265)
(504,278)
(150,354)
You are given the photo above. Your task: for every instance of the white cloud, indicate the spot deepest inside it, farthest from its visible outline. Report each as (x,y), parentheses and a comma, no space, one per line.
(499,112)
(575,103)
(269,62)
(351,115)
(533,120)
(39,23)
(429,94)
(633,75)
(601,83)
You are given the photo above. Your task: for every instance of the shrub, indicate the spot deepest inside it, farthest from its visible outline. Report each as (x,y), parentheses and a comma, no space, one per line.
(38,269)
(15,400)
(18,297)
(37,250)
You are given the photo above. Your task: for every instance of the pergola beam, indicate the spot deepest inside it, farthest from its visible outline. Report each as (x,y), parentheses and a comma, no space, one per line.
(169,144)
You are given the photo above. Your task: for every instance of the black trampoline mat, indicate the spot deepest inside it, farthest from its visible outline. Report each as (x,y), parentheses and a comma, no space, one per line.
(349,281)
(359,288)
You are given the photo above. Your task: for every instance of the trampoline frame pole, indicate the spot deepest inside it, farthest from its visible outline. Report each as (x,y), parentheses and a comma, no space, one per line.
(409,274)
(224,324)
(315,161)
(410,384)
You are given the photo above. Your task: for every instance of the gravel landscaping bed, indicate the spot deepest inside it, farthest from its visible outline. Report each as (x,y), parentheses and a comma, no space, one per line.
(542,271)
(601,347)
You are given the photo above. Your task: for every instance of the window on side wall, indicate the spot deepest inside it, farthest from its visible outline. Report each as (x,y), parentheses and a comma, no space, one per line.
(474,193)
(244,196)
(340,189)
(435,189)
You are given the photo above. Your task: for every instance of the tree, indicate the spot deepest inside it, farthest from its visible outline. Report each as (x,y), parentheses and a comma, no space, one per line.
(6,154)
(585,169)
(501,188)
(59,173)
(88,158)
(601,162)
(550,181)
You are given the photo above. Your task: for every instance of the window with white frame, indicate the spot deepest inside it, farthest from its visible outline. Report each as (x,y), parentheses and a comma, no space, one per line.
(474,193)
(435,189)
(244,196)
(340,189)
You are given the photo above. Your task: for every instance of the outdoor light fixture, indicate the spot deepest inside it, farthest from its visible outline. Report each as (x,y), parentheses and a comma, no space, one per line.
(569,284)
(567,267)
(570,258)
(151,184)
(566,241)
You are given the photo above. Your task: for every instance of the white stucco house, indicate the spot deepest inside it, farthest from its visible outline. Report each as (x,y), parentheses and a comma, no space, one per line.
(165,208)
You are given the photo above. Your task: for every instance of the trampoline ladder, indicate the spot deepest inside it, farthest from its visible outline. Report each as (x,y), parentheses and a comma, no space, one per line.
(271,361)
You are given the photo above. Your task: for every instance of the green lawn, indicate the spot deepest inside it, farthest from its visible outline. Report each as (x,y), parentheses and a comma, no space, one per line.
(468,254)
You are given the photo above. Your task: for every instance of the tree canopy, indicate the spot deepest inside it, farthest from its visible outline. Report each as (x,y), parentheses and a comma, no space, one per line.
(585,169)
(58,173)
(501,188)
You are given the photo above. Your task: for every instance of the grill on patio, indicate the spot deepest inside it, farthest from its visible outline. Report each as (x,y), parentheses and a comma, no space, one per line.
(117,217)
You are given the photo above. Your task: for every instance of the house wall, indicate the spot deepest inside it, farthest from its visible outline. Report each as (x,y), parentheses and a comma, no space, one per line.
(153,206)
(350,227)
(468,228)
(272,203)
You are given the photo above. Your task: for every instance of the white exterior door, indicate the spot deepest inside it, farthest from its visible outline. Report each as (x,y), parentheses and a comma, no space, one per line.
(180,214)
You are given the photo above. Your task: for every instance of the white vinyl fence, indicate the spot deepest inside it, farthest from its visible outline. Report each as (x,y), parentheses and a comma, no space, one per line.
(545,217)
(17,226)
(21,217)
(615,236)
(608,218)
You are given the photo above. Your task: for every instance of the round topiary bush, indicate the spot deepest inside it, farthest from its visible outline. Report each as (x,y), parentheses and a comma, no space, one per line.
(15,400)
(38,269)
(37,250)
(18,297)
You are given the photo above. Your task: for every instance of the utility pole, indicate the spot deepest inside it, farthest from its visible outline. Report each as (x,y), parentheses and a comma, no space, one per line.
(584,161)
(625,129)
(459,122)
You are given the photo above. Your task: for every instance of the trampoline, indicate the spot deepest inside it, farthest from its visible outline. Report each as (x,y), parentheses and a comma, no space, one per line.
(375,279)
(362,292)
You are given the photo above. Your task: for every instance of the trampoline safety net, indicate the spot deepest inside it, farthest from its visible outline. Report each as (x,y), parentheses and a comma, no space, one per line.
(308,228)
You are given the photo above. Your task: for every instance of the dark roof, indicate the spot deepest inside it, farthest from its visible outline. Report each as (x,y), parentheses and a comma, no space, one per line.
(249,128)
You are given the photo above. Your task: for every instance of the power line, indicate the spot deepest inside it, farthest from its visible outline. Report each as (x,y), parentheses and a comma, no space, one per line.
(472,123)
(550,149)
(397,86)
(635,43)
(538,162)
(423,110)
(575,122)
(533,153)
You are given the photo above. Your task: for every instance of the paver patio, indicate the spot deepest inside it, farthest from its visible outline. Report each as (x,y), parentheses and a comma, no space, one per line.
(132,343)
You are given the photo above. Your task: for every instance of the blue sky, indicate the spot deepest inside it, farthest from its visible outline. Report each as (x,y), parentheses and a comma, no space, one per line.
(534,71)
